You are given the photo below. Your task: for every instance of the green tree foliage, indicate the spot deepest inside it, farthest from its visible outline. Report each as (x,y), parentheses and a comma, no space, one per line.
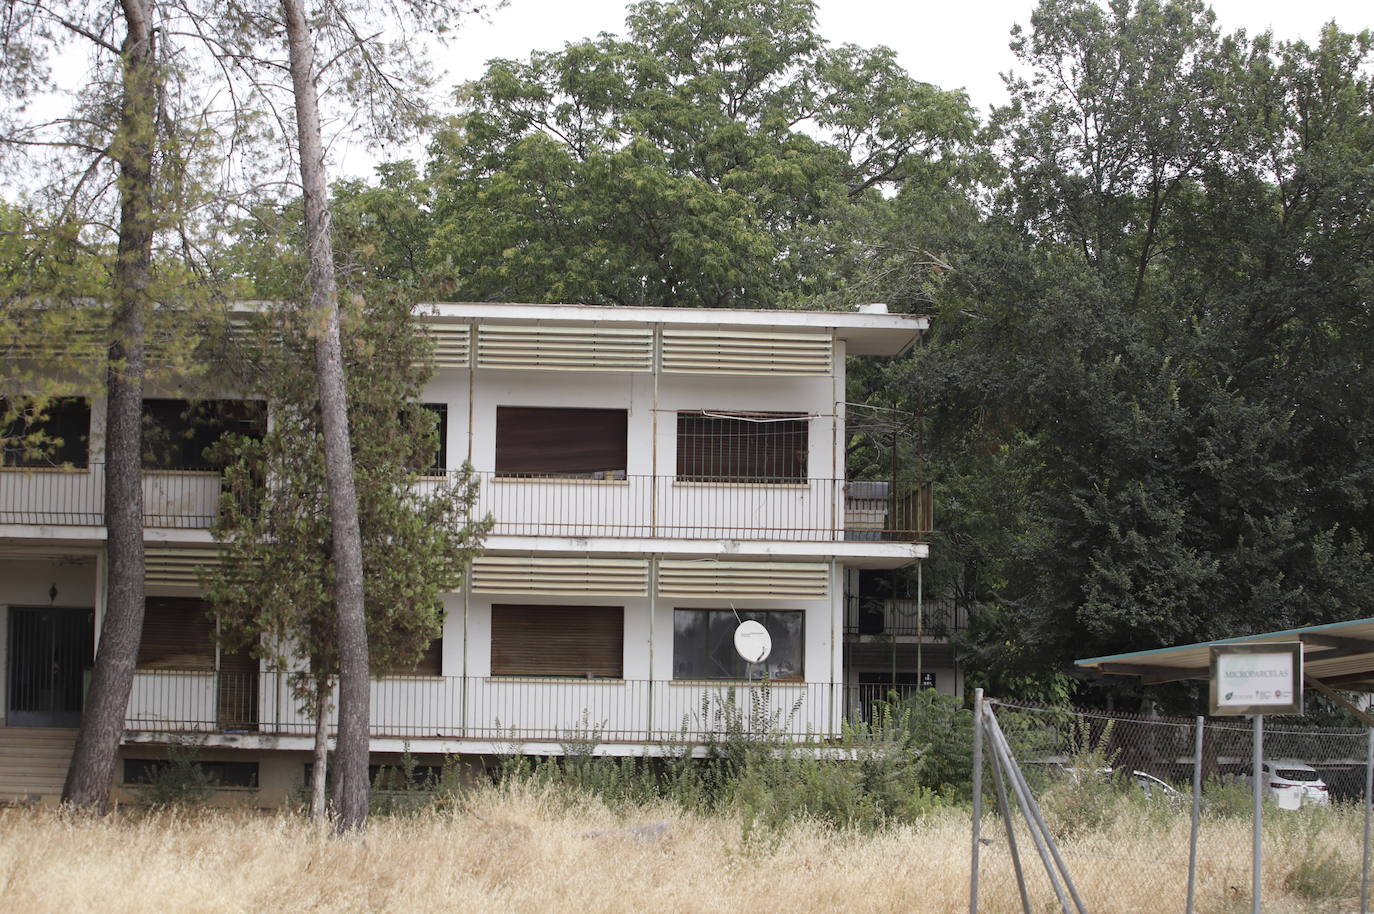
(721,155)
(275,587)
(1149,384)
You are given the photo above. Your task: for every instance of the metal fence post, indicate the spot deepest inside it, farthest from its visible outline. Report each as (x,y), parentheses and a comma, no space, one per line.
(977,799)
(1197,812)
(1257,783)
(1005,807)
(1368,805)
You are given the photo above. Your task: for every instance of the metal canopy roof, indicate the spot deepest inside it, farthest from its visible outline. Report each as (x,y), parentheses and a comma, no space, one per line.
(1337,655)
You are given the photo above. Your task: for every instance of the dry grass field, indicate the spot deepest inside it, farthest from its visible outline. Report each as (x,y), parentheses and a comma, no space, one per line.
(526,849)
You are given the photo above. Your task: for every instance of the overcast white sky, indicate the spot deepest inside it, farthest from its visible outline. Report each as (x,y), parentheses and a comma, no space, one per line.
(953,44)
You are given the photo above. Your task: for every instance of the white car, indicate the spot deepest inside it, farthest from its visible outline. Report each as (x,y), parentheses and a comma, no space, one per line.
(1156,788)
(1293,784)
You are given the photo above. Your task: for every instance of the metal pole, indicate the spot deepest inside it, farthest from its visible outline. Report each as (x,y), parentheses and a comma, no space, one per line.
(1257,782)
(1005,808)
(1368,805)
(653,611)
(920,628)
(1002,756)
(977,799)
(1197,813)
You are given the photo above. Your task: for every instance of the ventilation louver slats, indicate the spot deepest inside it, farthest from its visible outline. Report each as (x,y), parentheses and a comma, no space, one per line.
(172,567)
(560,577)
(797,580)
(746,352)
(565,348)
(452,344)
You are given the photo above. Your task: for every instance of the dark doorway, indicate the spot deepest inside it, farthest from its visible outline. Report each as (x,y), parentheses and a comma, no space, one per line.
(50,655)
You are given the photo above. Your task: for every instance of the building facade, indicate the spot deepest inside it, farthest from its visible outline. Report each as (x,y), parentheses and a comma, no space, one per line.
(656,476)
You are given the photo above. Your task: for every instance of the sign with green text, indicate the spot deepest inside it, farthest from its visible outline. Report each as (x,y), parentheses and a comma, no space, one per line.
(1256,678)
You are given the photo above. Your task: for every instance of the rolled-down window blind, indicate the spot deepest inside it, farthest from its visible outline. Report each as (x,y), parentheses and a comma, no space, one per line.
(582,641)
(178,634)
(540,441)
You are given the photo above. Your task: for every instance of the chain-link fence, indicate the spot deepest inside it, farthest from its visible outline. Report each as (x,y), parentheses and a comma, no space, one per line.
(1127,813)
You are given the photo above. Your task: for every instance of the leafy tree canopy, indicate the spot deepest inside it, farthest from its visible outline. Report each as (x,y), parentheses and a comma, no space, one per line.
(1149,380)
(719,155)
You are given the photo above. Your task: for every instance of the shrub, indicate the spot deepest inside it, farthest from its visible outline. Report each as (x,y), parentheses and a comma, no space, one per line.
(182,782)
(1322,875)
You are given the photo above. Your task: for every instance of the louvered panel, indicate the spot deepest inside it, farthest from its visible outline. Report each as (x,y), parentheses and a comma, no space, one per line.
(26,342)
(452,344)
(575,577)
(172,567)
(565,348)
(800,580)
(746,352)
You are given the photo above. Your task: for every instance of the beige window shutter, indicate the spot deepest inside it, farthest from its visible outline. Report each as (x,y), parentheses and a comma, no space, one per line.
(513,574)
(169,566)
(743,580)
(747,352)
(452,344)
(539,346)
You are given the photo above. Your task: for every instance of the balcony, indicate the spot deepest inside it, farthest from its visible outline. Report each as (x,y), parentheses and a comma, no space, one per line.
(932,619)
(810,510)
(502,710)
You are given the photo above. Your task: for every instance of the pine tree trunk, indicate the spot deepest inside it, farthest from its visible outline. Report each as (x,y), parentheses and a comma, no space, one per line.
(318,810)
(351,746)
(91,772)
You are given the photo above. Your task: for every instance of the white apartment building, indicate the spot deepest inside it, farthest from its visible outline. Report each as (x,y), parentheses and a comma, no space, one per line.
(655,475)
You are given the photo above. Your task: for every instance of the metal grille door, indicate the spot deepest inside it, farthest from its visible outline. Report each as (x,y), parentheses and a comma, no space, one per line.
(50,654)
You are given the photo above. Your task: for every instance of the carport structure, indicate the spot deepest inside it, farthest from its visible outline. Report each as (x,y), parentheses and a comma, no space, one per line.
(1338,655)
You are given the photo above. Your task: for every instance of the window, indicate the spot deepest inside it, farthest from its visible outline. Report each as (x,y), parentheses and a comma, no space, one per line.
(704,644)
(389,776)
(741,447)
(219,774)
(56,436)
(582,641)
(438,463)
(539,441)
(177,433)
(431,663)
(178,634)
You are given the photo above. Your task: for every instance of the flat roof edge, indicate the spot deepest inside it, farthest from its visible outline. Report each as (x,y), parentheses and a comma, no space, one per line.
(654,315)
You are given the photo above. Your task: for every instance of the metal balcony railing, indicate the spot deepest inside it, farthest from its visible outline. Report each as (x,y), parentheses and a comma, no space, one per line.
(875,616)
(637,506)
(510,710)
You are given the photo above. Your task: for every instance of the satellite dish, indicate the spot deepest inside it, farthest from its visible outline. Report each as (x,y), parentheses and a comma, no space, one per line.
(752,642)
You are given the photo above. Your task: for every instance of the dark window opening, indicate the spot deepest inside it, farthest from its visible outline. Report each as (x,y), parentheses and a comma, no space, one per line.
(581,641)
(391,776)
(438,462)
(741,447)
(704,644)
(219,774)
(540,441)
(58,435)
(182,434)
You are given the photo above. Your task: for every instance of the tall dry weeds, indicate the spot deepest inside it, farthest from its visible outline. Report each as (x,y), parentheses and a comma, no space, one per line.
(527,849)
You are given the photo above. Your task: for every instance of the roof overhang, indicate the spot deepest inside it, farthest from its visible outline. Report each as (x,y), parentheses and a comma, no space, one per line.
(864,332)
(1338,655)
